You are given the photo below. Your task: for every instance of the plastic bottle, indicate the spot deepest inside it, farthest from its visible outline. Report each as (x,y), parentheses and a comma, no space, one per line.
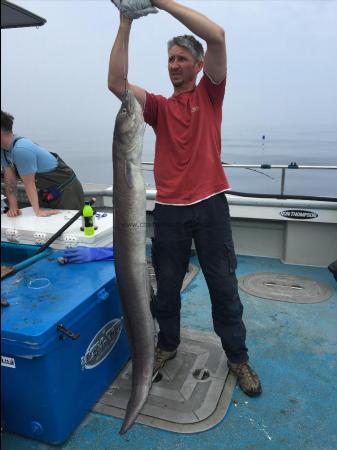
(88,217)
(94,219)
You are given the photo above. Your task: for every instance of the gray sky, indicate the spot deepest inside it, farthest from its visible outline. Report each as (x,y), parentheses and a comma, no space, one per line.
(282,64)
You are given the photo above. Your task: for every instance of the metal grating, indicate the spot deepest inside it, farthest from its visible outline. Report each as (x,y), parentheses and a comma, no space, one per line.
(284,287)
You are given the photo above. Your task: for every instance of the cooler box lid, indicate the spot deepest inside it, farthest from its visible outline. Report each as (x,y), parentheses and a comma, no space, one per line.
(47,294)
(30,229)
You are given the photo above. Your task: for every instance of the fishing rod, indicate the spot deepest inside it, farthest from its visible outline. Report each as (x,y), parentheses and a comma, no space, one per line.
(253,170)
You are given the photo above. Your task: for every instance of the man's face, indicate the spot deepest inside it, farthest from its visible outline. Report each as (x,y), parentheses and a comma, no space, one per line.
(182,66)
(6,139)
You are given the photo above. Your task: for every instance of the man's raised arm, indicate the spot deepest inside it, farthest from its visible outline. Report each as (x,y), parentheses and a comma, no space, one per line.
(215,64)
(118,64)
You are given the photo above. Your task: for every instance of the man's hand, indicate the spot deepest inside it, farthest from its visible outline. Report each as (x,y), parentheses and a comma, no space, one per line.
(46,212)
(13,212)
(124,20)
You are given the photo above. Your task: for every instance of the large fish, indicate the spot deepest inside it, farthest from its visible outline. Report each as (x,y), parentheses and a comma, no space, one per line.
(129,236)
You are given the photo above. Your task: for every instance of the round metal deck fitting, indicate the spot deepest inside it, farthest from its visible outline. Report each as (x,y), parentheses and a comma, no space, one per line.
(284,287)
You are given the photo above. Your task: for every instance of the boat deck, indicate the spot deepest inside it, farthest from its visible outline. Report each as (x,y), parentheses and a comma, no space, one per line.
(292,346)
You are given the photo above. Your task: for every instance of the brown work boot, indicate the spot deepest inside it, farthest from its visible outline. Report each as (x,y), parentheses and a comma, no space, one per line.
(160,358)
(248,380)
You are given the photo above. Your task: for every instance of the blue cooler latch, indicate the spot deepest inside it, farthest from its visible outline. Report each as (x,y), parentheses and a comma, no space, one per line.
(101,296)
(62,329)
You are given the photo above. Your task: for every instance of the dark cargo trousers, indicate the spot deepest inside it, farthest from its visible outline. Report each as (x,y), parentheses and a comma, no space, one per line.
(208,223)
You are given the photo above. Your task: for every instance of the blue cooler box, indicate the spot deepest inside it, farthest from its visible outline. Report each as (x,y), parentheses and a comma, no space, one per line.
(63,341)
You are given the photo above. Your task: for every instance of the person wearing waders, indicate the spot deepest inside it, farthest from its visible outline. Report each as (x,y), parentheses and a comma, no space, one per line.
(190,180)
(49,182)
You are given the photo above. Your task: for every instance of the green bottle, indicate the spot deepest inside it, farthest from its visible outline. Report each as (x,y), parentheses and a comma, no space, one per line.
(88,218)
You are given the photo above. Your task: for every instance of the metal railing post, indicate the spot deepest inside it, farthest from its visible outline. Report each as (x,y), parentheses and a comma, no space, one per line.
(283,176)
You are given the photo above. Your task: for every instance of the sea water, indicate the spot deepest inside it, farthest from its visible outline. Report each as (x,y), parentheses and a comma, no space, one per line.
(306,145)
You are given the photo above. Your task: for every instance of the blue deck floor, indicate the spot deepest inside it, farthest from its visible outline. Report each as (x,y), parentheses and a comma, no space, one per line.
(293,348)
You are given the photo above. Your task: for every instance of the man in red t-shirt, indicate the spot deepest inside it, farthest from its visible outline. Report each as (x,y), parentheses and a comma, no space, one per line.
(190,182)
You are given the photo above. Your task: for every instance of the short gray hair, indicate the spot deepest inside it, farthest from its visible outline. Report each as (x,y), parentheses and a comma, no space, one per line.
(190,43)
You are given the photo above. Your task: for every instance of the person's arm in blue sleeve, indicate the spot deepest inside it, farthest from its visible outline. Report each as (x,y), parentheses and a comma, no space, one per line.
(80,254)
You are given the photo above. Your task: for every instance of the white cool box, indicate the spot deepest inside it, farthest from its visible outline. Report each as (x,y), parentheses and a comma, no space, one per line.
(29,229)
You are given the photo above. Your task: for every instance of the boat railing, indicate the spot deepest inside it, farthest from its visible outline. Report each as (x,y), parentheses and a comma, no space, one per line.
(106,190)
(282,167)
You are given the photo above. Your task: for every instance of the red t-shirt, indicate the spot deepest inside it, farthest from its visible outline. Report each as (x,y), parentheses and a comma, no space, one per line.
(187,164)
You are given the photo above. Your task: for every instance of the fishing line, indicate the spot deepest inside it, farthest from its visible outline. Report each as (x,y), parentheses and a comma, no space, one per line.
(254,170)
(124,62)
(247,168)
(261,173)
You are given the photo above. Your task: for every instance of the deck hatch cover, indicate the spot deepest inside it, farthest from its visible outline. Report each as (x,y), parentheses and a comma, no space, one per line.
(284,287)
(179,401)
